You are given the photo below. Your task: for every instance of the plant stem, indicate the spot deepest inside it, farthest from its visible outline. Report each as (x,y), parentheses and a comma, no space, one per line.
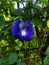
(29,53)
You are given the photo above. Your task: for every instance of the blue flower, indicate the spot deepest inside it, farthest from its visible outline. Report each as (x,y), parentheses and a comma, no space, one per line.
(23,30)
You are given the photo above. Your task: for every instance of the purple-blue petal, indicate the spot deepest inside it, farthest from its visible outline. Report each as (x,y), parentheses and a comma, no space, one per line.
(16,31)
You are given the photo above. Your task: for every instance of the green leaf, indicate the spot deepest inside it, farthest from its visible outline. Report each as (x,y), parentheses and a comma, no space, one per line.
(23,63)
(44,1)
(47,51)
(37,21)
(35,42)
(2,21)
(17,0)
(21,54)
(3,43)
(12,58)
(46,61)
(0,8)
(48,23)
(2,62)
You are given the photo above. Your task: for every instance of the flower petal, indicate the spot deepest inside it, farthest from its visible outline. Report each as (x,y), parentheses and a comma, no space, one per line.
(23,30)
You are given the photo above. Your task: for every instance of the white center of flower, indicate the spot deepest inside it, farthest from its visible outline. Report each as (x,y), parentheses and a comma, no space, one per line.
(23,32)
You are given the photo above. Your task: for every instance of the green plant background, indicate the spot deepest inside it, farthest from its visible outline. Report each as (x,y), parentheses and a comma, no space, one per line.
(15,52)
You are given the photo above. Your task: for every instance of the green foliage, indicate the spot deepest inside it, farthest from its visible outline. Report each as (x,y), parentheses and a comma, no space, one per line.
(37,22)
(47,51)
(35,42)
(2,62)
(12,58)
(46,61)
(15,52)
(2,21)
(44,1)
(48,23)
(21,63)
